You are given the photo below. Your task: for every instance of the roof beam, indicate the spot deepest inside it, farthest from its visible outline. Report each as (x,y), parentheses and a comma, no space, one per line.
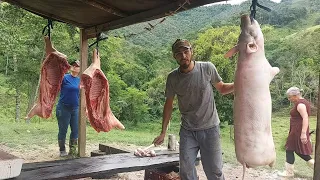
(104,7)
(145,16)
(44,14)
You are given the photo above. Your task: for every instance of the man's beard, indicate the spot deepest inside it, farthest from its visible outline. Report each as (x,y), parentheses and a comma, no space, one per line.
(185,66)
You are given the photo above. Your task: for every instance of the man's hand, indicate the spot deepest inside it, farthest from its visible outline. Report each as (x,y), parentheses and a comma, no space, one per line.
(159,140)
(303,138)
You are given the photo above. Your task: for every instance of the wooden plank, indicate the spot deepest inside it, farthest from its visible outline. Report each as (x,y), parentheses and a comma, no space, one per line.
(38,165)
(82,109)
(105,7)
(10,165)
(97,153)
(45,164)
(165,152)
(86,167)
(316,172)
(111,150)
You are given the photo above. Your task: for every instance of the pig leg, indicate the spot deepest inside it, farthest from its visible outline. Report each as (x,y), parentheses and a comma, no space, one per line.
(48,46)
(244,171)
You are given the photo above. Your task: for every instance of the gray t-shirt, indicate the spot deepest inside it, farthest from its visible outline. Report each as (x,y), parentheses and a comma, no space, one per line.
(195,95)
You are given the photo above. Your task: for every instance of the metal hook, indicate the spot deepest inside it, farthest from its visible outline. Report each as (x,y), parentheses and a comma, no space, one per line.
(97,40)
(253,9)
(99,37)
(49,26)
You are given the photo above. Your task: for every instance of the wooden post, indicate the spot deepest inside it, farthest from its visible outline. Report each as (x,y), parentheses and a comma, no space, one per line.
(316,172)
(82,109)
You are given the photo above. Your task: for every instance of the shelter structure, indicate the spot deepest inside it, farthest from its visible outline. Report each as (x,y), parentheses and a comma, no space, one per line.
(96,16)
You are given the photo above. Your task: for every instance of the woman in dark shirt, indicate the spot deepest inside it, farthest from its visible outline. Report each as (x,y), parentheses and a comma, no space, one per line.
(298,140)
(68,108)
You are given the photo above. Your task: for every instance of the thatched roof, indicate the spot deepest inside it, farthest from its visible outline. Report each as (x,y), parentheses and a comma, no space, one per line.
(105,15)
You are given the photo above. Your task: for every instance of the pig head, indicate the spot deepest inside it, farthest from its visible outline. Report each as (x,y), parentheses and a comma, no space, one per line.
(254,144)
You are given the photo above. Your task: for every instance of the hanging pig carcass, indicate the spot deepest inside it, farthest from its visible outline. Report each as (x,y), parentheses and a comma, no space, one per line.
(52,71)
(96,88)
(254,144)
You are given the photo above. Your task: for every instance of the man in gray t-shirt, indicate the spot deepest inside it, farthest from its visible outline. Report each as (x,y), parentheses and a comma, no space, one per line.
(192,82)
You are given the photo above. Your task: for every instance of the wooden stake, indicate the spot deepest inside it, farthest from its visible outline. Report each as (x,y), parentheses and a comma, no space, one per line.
(82,109)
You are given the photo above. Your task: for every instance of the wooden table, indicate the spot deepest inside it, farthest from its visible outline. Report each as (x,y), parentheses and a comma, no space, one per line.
(93,166)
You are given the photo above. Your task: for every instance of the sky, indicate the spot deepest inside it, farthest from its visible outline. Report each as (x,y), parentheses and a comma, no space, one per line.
(239,1)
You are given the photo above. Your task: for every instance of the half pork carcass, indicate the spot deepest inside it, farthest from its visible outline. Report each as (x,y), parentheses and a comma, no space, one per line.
(254,144)
(96,88)
(52,71)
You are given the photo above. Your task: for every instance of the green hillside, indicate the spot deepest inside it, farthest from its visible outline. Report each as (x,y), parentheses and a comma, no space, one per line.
(137,66)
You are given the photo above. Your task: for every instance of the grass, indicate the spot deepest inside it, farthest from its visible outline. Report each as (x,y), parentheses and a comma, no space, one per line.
(43,133)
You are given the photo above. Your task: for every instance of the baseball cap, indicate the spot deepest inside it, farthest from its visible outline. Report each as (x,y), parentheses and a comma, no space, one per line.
(180,43)
(75,63)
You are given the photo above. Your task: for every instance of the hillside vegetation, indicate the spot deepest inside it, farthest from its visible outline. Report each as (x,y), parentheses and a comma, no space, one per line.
(137,66)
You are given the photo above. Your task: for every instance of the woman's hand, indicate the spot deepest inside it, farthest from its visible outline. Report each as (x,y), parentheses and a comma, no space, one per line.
(303,138)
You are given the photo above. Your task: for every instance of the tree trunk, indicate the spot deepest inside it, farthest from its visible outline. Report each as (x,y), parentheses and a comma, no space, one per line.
(7,65)
(18,102)
(18,93)
(32,96)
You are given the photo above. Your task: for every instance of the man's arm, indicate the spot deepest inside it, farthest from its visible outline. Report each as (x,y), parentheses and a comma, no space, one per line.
(167,112)
(224,88)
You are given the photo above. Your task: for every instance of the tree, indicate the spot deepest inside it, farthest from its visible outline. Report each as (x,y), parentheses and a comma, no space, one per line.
(135,108)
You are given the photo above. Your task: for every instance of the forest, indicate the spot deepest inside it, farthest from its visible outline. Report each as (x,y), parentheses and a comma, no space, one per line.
(137,62)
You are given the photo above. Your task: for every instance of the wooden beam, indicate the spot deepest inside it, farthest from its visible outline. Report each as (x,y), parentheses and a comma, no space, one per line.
(104,7)
(145,16)
(82,109)
(316,172)
(44,14)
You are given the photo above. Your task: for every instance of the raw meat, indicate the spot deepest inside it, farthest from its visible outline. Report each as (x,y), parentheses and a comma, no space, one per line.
(96,88)
(52,71)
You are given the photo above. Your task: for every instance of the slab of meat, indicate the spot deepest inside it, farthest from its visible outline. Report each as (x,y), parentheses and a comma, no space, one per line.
(52,71)
(144,153)
(96,88)
(252,104)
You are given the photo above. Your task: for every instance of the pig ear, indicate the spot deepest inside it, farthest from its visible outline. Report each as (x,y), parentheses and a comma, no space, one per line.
(252,47)
(231,52)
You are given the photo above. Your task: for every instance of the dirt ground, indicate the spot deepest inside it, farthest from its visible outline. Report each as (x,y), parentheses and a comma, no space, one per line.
(231,172)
